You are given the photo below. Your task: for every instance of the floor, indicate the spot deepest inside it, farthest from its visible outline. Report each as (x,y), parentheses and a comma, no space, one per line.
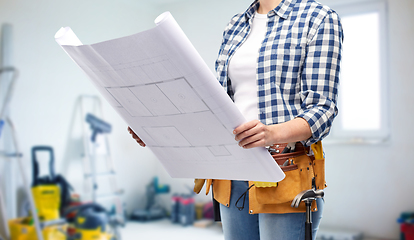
(164,229)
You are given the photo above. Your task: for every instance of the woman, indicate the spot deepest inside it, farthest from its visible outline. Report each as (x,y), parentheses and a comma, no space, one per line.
(279,61)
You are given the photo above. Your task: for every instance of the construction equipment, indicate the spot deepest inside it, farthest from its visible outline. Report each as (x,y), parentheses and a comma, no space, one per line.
(10,150)
(45,192)
(52,192)
(153,209)
(16,154)
(93,222)
(97,154)
(97,126)
(29,228)
(4,231)
(7,79)
(23,229)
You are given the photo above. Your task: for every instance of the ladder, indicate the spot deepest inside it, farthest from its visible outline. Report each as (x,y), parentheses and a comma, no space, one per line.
(5,122)
(97,162)
(4,230)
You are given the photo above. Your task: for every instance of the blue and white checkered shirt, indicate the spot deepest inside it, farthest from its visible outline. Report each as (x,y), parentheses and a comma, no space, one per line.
(298,63)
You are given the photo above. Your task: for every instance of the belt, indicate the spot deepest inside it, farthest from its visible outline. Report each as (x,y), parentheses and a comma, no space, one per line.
(277,149)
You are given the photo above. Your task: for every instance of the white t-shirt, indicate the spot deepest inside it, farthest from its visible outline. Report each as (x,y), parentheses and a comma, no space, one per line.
(242,69)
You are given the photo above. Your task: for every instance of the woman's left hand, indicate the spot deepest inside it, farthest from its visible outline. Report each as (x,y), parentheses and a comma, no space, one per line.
(254,134)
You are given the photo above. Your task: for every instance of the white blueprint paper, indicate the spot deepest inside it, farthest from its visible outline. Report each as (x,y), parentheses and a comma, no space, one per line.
(159,84)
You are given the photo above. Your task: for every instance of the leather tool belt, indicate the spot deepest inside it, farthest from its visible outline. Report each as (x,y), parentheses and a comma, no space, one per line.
(302,173)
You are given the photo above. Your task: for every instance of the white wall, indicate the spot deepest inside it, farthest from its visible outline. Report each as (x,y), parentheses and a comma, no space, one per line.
(369,185)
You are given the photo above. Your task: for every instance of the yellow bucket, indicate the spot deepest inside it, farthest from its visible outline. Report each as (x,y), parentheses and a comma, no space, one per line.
(21,229)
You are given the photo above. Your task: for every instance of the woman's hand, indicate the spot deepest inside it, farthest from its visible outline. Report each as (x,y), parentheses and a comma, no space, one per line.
(134,136)
(254,134)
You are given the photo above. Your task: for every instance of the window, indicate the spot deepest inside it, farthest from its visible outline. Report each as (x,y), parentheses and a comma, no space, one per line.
(363,99)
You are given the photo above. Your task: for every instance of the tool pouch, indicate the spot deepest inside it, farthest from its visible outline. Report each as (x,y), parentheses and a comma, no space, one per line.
(319,170)
(299,177)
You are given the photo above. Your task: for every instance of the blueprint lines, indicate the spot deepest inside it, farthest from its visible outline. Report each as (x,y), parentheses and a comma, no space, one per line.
(165,92)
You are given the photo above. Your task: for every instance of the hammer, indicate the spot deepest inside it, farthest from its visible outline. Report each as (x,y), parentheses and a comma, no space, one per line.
(307,196)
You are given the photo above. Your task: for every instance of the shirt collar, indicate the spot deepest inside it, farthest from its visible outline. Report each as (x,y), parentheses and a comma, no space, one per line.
(283,10)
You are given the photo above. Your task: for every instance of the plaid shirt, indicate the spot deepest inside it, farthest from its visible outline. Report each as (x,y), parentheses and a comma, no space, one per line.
(298,63)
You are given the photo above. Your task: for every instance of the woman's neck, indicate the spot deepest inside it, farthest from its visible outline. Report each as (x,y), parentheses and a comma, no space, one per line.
(267,5)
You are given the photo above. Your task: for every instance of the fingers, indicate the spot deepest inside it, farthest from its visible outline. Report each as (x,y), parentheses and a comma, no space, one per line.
(251,134)
(244,127)
(136,138)
(130,131)
(248,129)
(253,141)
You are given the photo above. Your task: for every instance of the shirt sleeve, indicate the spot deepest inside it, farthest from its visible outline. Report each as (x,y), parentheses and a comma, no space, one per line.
(222,75)
(320,77)
(220,61)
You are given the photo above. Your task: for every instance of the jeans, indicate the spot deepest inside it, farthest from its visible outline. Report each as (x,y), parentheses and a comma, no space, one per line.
(240,225)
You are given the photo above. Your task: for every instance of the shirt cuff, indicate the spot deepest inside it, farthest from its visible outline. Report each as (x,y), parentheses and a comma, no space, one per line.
(319,123)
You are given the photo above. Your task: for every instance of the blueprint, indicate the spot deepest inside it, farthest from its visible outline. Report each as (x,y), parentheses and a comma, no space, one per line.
(162,88)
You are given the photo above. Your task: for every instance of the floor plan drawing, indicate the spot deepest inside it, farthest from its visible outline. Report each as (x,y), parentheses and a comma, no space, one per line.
(165,92)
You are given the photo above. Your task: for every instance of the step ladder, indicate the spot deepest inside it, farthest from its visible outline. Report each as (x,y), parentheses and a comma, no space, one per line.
(4,230)
(99,169)
(13,153)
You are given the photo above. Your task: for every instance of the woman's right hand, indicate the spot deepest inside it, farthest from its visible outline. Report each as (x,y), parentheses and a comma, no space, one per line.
(134,136)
